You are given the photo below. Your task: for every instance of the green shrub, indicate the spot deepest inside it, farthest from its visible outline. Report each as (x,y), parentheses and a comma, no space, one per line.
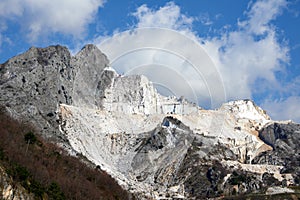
(36,188)
(54,192)
(21,173)
(30,138)
(43,157)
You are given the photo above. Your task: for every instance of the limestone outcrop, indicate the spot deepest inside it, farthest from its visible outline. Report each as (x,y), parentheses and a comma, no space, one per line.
(35,83)
(156,147)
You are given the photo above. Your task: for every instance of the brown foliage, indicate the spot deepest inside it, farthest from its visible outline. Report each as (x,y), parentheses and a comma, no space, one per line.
(47,163)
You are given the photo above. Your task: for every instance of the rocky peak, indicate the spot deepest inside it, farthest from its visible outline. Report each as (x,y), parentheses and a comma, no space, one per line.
(246,109)
(44,55)
(89,64)
(34,58)
(88,48)
(91,55)
(34,83)
(153,145)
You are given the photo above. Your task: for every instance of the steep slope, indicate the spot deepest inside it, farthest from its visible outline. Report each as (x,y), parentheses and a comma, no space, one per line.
(151,153)
(10,190)
(33,84)
(156,147)
(284,137)
(32,168)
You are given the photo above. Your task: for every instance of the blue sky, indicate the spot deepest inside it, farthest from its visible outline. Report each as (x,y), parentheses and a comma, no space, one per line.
(254,45)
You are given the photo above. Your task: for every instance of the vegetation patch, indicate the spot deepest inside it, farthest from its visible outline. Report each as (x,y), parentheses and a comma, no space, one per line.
(46,170)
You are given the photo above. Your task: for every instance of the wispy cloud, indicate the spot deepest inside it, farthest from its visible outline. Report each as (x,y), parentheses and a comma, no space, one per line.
(261,13)
(205,19)
(251,58)
(284,109)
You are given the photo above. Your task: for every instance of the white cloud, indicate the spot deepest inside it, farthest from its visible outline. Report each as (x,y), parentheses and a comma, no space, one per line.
(252,52)
(244,60)
(205,20)
(169,49)
(262,13)
(284,108)
(250,57)
(11,8)
(167,57)
(168,16)
(43,17)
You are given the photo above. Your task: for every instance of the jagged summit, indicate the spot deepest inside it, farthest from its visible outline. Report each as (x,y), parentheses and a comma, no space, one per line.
(155,146)
(89,48)
(33,58)
(246,109)
(91,55)
(34,83)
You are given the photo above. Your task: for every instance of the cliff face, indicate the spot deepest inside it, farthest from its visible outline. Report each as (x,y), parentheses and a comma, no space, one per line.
(285,140)
(155,146)
(158,154)
(35,83)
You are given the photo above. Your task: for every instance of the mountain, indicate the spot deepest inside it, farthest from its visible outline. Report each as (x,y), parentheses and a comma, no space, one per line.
(156,147)
(34,84)
(32,168)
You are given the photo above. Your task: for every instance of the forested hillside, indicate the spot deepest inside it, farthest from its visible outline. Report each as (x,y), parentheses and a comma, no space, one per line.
(46,170)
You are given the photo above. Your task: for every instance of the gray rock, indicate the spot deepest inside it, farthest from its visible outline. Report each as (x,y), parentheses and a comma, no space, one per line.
(88,66)
(156,146)
(285,140)
(34,83)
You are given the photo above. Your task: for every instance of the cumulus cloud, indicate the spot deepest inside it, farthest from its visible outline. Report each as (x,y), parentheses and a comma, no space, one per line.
(252,52)
(243,58)
(250,57)
(168,16)
(234,64)
(45,17)
(164,48)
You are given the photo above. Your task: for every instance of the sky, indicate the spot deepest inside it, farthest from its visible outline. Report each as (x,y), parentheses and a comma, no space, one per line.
(209,51)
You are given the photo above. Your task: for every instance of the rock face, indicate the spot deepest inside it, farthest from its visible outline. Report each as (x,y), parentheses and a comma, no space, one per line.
(156,147)
(35,83)
(285,139)
(88,66)
(157,155)
(10,191)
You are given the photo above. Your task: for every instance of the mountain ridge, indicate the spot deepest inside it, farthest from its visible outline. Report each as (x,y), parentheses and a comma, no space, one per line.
(154,146)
